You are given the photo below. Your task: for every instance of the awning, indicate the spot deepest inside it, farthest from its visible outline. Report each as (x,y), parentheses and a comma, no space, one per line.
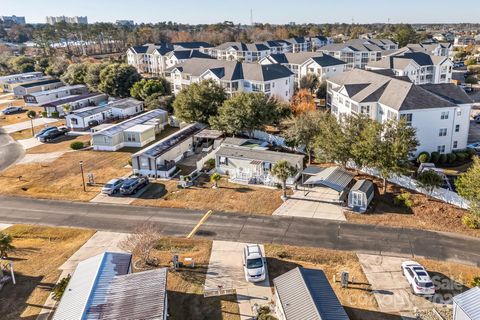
(335,178)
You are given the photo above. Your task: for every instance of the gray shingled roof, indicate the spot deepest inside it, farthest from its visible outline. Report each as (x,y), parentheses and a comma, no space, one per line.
(240,46)
(306,294)
(321,58)
(141,295)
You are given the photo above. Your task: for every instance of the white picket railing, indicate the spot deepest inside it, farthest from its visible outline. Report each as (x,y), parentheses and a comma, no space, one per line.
(412,184)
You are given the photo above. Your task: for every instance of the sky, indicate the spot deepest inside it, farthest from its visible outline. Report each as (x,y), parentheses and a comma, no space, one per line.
(266,11)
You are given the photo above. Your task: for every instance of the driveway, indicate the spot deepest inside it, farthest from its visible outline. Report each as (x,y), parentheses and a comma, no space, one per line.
(10,151)
(29,143)
(119,199)
(319,205)
(41,157)
(26,124)
(225,270)
(390,287)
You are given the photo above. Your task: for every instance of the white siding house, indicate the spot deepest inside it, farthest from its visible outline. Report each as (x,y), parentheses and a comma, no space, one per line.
(8,83)
(63,106)
(239,51)
(127,107)
(85,118)
(43,97)
(439,112)
(36,86)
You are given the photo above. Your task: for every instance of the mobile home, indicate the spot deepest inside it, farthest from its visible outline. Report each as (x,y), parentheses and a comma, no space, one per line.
(70,104)
(43,97)
(23,89)
(8,83)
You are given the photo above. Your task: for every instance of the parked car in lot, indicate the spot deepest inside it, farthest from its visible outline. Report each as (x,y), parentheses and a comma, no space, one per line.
(39,133)
(132,185)
(475,146)
(49,135)
(112,186)
(254,263)
(11,109)
(418,278)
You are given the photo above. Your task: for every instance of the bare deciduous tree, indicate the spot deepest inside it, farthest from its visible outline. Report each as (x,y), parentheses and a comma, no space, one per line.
(141,242)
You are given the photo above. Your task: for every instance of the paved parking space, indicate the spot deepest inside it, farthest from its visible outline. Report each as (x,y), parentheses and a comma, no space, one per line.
(26,124)
(474,133)
(40,157)
(225,270)
(29,143)
(119,199)
(319,205)
(390,287)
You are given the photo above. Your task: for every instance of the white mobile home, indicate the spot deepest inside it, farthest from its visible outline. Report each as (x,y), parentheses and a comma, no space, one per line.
(88,117)
(70,104)
(134,132)
(36,86)
(43,97)
(361,195)
(8,83)
(125,108)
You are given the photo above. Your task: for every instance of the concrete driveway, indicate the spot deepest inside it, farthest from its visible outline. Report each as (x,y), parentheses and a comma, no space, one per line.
(390,287)
(41,157)
(10,151)
(319,205)
(29,143)
(225,270)
(26,124)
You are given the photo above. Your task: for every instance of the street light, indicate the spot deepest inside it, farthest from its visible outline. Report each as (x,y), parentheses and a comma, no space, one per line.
(83,177)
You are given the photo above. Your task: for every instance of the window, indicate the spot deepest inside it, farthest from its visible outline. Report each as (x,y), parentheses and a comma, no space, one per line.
(441,149)
(459,112)
(457,128)
(408,118)
(455,144)
(442,132)
(223,160)
(444,115)
(365,109)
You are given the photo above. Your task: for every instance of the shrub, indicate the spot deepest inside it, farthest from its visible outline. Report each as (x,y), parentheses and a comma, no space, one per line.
(442,159)
(76,145)
(423,157)
(60,287)
(471,152)
(434,157)
(55,114)
(476,282)
(130,162)
(475,69)
(471,221)
(403,199)
(461,156)
(451,158)
(44,114)
(209,164)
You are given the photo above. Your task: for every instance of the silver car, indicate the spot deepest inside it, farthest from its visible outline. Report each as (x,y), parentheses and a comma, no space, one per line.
(112,186)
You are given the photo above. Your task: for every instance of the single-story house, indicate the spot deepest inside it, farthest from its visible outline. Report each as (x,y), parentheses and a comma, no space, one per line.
(43,97)
(466,306)
(36,86)
(303,293)
(134,132)
(86,117)
(125,108)
(8,83)
(160,159)
(100,287)
(66,105)
(249,161)
(333,178)
(361,195)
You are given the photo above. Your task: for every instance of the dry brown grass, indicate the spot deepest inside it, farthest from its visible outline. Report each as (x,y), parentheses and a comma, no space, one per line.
(17,117)
(426,213)
(357,299)
(61,179)
(40,251)
(185,286)
(27,133)
(62,144)
(229,197)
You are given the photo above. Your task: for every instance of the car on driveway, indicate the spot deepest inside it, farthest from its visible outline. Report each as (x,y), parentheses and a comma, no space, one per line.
(52,134)
(11,109)
(39,133)
(112,186)
(475,146)
(418,278)
(132,185)
(254,263)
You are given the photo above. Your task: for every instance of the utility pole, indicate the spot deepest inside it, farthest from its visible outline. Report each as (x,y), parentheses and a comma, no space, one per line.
(83,177)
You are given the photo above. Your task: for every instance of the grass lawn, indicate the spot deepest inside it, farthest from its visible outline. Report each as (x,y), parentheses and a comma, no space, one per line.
(61,179)
(40,251)
(17,117)
(229,197)
(60,144)
(424,214)
(185,286)
(27,133)
(358,301)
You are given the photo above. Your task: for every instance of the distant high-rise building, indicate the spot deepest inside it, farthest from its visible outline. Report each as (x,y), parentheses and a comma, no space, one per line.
(125,22)
(79,20)
(13,19)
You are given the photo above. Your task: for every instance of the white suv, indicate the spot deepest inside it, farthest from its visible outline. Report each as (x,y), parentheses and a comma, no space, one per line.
(254,263)
(418,278)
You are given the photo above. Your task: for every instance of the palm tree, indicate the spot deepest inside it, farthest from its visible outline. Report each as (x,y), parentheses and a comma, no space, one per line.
(215,177)
(282,170)
(5,244)
(32,114)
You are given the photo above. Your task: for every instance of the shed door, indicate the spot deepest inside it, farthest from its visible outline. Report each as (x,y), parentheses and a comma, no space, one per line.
(357,199)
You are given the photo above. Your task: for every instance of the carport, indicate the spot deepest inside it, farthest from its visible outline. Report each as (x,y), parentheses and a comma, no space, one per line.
(330,182)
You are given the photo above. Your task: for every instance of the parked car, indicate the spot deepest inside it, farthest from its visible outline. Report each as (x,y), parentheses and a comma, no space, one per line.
(112,186)
(132,185)
(11,109)
(477,119)
(49,135)
(44,130)
(254,263)
(475,146)
(460,64)
(418,278)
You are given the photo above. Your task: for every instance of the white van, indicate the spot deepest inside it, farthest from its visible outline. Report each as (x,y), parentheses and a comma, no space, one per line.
(253,263)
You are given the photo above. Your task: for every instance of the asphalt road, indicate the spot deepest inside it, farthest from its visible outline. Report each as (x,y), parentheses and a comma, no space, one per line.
(10,150)
(246,228)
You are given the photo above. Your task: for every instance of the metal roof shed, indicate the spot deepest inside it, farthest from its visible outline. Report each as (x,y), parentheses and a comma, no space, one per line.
(361,195)
(306,294)
(466,306)
(335,178)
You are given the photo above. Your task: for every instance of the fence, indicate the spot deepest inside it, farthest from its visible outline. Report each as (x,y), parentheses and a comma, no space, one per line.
(411,184)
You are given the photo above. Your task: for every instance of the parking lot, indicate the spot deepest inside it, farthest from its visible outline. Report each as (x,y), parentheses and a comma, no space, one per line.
(474,133)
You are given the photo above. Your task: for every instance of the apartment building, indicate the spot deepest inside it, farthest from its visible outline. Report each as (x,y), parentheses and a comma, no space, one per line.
(440,113)
(152,58)
(274,80)
(435,49)
(300,44)
(279,46)
(303,63)
(320,41)
(239,51)
(13,19)
(419,67)
(72,20)
(358,53)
